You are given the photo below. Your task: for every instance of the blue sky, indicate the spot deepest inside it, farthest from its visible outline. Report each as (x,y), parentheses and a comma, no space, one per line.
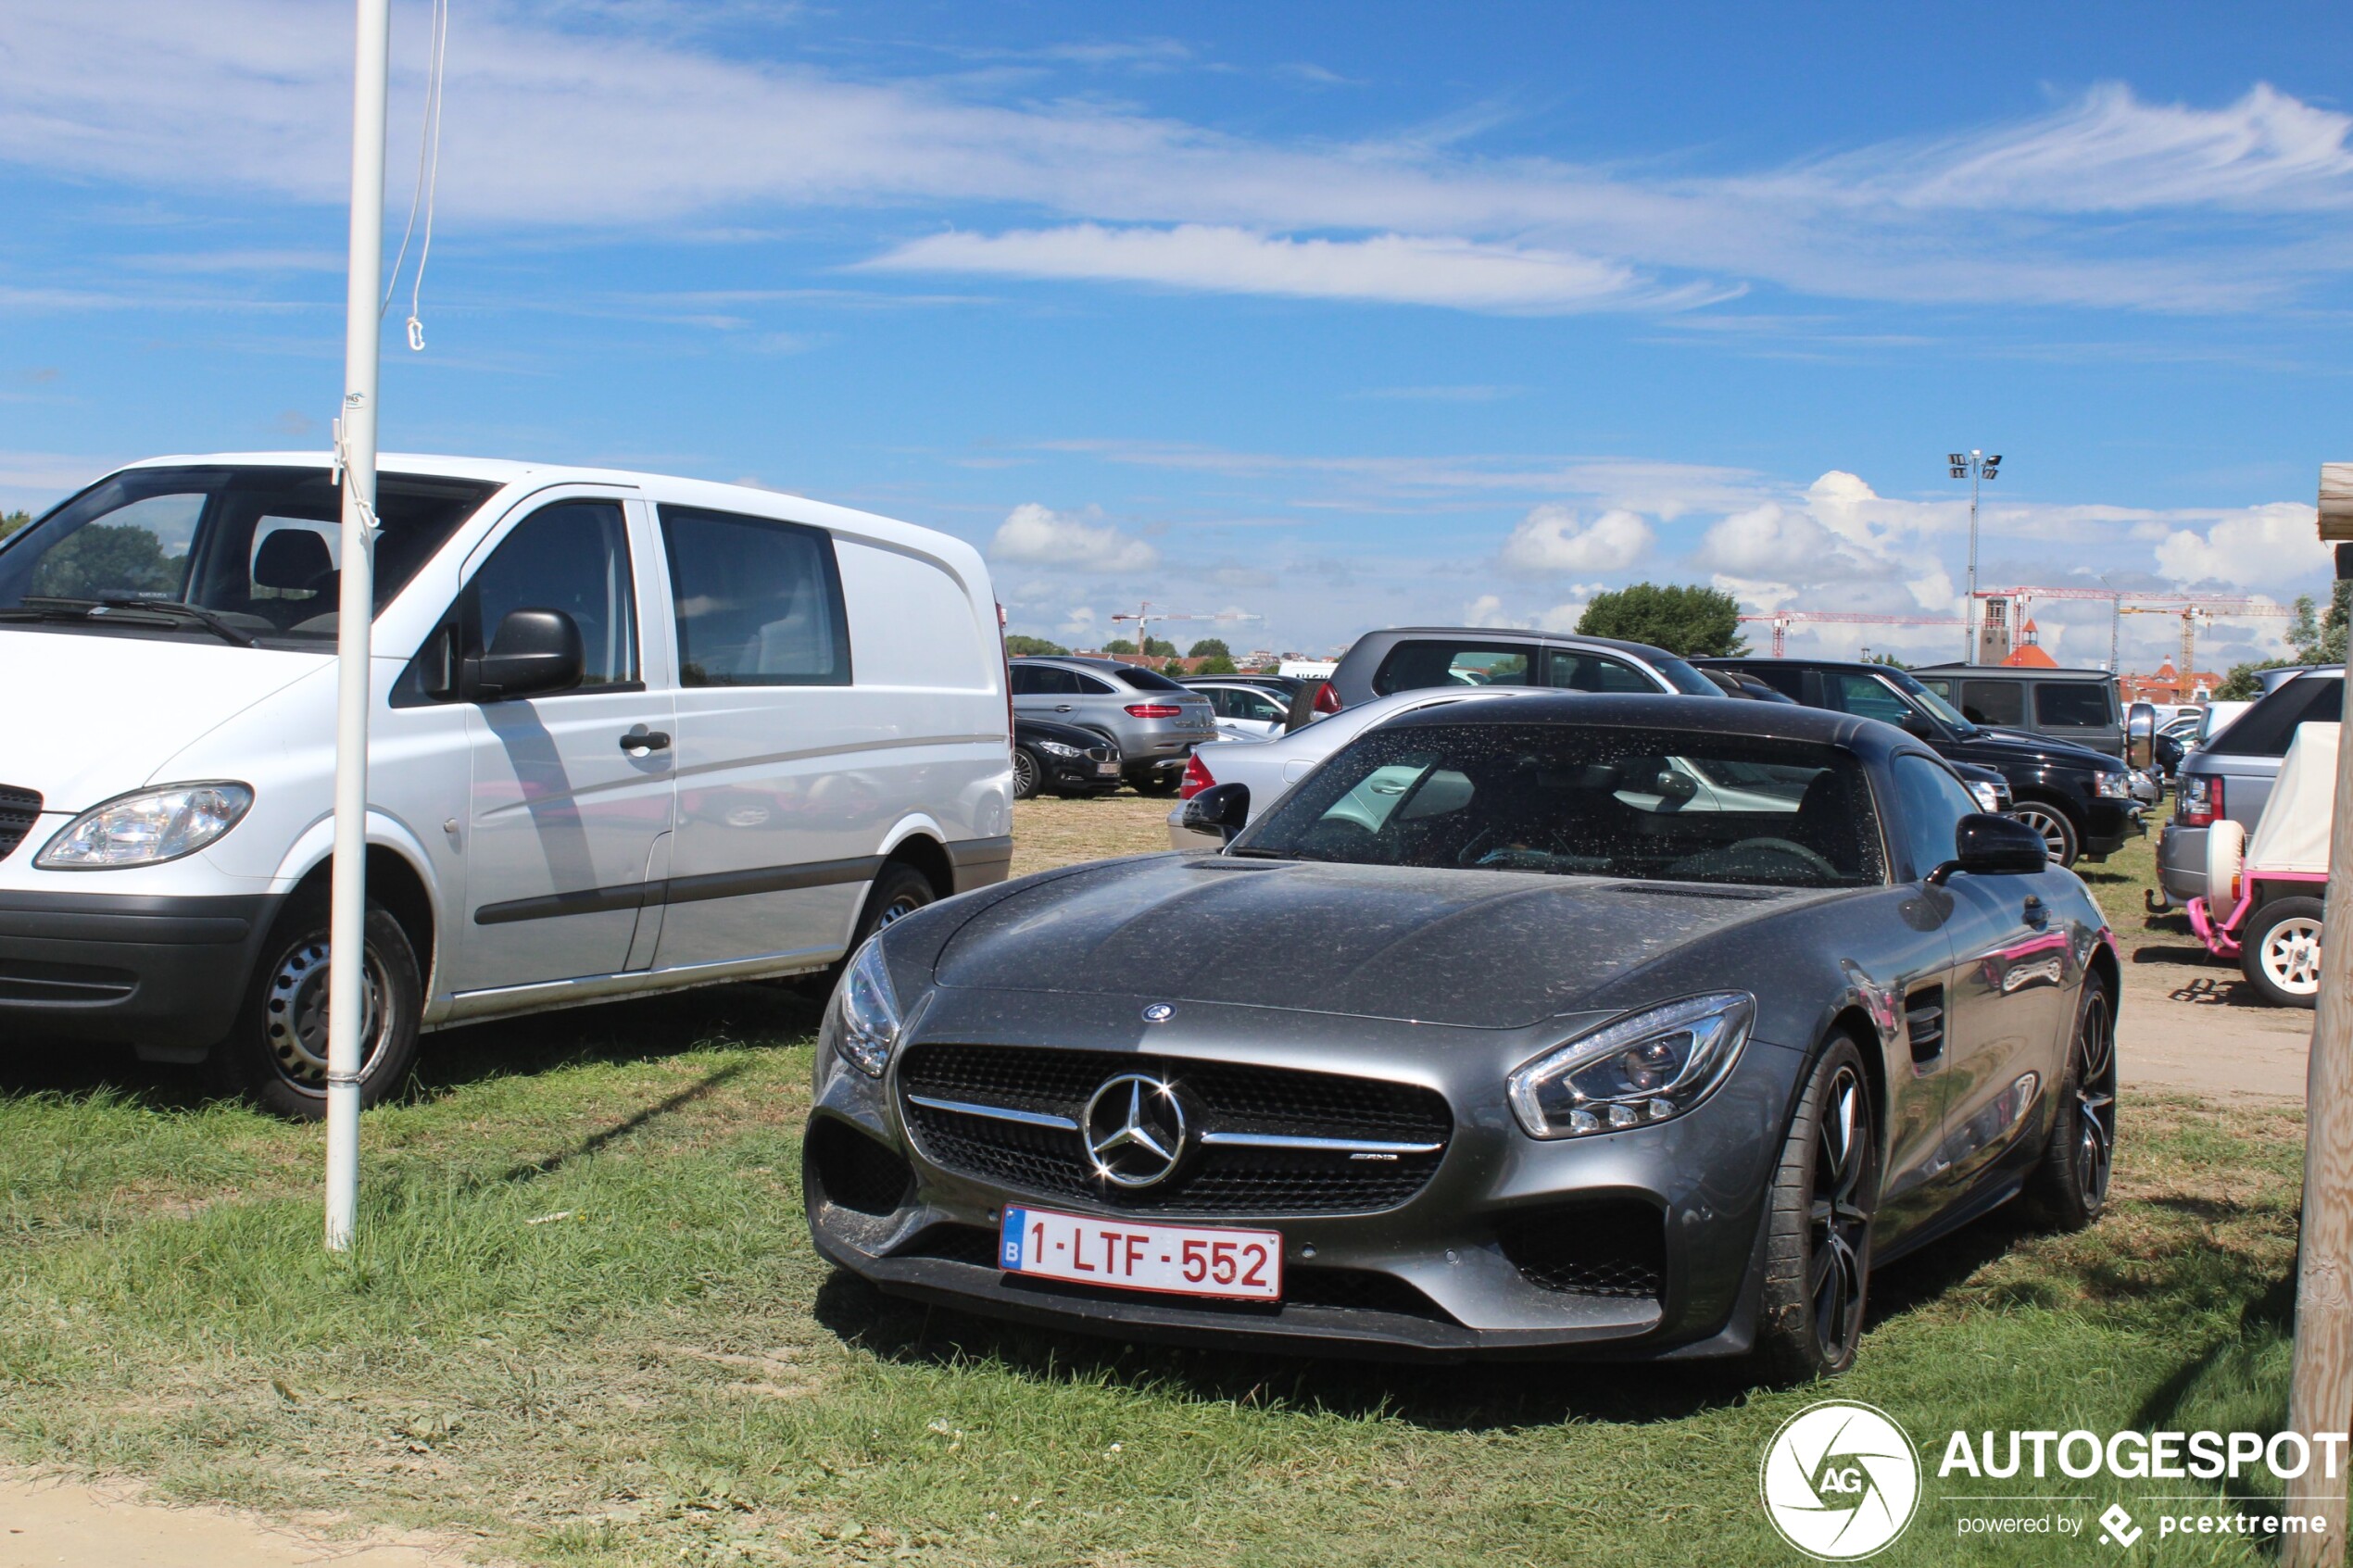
(1337,315)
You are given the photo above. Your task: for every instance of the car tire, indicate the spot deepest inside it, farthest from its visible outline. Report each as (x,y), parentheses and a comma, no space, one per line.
(2068,1187)
(2056,828)
(1028,771)
(276,1056)
(1818,1223)
(2280,953)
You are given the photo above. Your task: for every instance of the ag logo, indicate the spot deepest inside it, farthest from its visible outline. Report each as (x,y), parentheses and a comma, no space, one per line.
(1840,1480)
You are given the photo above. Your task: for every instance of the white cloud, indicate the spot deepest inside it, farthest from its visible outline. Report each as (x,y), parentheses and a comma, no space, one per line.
(1391,269)
(1551,539)
(1034,535)
(1488,610)
(1766,541)
(554,118)
(2270,547)
(1080,622)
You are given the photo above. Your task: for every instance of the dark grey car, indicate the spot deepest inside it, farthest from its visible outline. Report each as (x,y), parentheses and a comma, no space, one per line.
(1152,722)
(1515,1040)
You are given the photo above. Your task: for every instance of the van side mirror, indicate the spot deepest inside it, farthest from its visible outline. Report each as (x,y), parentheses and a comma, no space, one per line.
(2140,735)
(1984,844)
(534,652)
(1223,809)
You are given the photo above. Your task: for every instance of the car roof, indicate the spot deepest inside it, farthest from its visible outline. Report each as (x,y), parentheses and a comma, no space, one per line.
(2012,672)
(1500,634)
(1721,716)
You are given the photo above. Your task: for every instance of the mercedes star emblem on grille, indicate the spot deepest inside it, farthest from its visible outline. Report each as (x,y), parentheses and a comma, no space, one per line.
(1159,1013)
(1135,1130)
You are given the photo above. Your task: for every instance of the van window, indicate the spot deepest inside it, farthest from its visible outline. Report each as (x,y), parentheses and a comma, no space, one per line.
(1994,702)
(759,602)
(573,556)
(2077,704)
(2265,729)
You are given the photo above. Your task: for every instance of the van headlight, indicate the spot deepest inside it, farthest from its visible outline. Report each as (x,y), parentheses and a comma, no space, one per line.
(146,828)
(870,1019)
(1655,1065)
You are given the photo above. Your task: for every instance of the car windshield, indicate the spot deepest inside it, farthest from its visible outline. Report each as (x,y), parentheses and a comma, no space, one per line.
(251,554)
(1646,804)
(1930,700)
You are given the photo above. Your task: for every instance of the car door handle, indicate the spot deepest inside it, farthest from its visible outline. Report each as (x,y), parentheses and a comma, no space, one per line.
(644,739)
(1061,707)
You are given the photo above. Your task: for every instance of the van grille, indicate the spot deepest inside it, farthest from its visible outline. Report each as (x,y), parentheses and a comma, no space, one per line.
(1264,1104)
(19,809)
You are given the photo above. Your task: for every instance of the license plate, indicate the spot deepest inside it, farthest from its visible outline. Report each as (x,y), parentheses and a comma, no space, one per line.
(1128,1255)
(1106,768)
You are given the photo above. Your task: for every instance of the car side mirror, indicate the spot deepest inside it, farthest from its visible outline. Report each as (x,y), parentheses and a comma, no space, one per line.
(1984,844)
(1918,724)
(1221,809)
(534,652)
(2140,735)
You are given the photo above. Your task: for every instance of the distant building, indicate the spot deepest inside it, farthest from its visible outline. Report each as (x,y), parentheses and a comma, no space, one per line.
(2029,654)
(2167,685)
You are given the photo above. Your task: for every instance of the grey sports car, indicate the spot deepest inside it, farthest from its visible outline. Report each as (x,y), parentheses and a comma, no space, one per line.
(1582,1025)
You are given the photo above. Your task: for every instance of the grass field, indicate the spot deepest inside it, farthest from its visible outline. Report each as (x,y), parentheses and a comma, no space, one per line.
(584,1325)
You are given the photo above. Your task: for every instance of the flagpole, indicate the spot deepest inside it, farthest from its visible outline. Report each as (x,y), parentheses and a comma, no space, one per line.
(355,455)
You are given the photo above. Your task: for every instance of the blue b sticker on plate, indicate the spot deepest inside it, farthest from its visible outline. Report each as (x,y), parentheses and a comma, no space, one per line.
(1009,1245)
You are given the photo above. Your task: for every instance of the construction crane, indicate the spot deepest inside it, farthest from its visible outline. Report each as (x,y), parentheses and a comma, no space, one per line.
(1782,620)
(2192,609)
(1145,615)
(2202,613)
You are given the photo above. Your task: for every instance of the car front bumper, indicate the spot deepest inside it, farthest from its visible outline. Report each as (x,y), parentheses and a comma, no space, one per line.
(2109,824)
(166,973)
(1458,1267)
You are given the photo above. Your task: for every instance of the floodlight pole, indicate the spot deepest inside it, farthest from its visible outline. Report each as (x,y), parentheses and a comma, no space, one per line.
(355,455)
(2321,1380)
(1973,463)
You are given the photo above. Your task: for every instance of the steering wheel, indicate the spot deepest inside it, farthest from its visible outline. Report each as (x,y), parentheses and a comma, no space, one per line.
(1813,860)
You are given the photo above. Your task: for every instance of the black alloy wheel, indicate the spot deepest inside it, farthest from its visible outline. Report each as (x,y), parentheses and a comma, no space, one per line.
(1825,1193)
(2070,1186)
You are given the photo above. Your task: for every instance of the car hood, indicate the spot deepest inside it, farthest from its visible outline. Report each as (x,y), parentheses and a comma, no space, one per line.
(91,715)
(1487,949)
(2006,745)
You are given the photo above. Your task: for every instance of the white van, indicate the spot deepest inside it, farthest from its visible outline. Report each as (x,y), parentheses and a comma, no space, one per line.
(628,733)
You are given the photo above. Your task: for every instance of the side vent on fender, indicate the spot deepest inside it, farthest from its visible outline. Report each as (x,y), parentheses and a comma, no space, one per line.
(1924,1024)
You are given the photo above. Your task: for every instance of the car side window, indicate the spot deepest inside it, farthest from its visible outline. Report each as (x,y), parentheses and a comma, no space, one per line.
(1595,673)
(1026,679)
(573,556)
(2078,704)
(1254,705)
(1866,697)
(1787,679)
(1090,685)
(1930,805)
(1423,662)
(759,602)
(1994,702)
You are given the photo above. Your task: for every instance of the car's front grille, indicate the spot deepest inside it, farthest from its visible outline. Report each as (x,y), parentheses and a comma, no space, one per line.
(1099,754)
(19,809)
(1261,1140)
(1615,1248)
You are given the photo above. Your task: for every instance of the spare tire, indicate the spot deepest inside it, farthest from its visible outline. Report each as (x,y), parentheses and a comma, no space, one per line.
(2225,857)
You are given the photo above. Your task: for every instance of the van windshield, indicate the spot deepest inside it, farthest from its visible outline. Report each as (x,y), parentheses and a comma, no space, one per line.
(252,555)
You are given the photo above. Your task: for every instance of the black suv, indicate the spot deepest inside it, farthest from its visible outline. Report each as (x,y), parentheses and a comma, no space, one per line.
(2079,799)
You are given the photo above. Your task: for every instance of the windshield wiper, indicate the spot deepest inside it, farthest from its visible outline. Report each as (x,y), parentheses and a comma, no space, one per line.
(51,606)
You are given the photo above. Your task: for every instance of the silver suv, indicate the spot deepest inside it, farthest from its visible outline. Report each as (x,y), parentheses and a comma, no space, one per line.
(2231,776)
(1154,721)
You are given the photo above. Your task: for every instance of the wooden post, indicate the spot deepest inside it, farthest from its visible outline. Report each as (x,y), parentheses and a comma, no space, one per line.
(2321,1390)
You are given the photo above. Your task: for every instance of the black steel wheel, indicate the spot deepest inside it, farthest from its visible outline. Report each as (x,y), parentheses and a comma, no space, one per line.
(2069,1187)
(277,1054)
(1818,1249)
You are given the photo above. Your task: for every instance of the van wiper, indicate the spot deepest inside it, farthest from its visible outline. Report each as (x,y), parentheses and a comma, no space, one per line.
(49,606)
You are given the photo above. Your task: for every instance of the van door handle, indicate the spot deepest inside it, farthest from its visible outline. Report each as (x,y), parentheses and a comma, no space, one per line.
(644,739)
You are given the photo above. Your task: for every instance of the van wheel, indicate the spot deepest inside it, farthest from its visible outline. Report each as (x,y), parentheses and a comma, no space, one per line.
(2058,834)
(900,891)
(1024,773)
(277,1054)
(2281,953)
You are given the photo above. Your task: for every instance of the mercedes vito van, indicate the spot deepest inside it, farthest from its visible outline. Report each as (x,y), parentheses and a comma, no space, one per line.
(627,733)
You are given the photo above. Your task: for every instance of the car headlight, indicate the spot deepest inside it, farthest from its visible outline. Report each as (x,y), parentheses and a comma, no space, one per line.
(870,1019)
(146,828)
(1057,749)
(1989,798)
(1657,1064)
(2116,786)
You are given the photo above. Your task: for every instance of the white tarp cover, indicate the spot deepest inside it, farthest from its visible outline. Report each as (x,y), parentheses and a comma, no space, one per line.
(2294,834)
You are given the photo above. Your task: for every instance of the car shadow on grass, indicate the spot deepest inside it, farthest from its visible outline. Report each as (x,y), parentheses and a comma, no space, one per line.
(1439,1396)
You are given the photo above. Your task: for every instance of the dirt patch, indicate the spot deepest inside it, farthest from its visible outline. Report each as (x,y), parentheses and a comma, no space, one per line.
(48,1522)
